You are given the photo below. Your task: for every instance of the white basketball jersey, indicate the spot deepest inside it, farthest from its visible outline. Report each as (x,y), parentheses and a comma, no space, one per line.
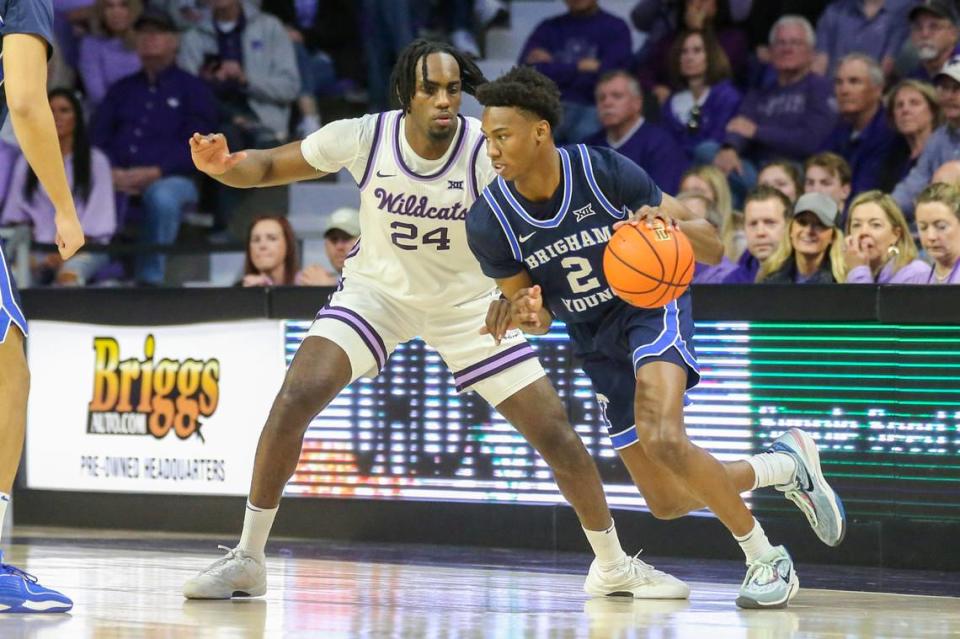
(413,240)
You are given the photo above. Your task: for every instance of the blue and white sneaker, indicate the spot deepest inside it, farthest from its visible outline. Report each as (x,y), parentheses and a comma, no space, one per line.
(809,490)
(771,581)
(20,592)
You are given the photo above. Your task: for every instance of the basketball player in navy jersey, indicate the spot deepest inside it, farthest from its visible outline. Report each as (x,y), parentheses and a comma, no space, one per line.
(26,29)
(419,168)
(540,230)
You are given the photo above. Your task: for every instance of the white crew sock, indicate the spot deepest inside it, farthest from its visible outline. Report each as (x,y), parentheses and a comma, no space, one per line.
(772,469)
(606,546)
(256,529)
(754,543)
(4,500)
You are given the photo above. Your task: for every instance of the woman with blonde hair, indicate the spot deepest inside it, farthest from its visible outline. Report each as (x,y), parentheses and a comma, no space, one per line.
(109,54)
(938,220)
(708,181)
(879,248)
(811,251)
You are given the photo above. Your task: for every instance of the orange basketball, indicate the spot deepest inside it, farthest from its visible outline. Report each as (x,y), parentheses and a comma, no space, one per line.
(648,267)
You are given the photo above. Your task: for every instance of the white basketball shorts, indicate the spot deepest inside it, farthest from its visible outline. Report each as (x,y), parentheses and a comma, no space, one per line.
(368,325)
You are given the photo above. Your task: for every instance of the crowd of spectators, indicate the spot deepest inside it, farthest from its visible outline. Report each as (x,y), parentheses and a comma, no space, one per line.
(744,109)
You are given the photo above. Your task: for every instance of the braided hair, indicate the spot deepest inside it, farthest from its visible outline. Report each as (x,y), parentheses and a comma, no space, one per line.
(403,79)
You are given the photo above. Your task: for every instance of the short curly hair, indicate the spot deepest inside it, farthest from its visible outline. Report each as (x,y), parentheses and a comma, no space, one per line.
(524,88)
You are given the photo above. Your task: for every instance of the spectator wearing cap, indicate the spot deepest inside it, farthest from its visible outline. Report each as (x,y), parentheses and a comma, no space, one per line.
(828,173)
(879,248)
(109,52)
(863,136)
(876,28)
(766,214)
(935,35)
(143,124)
(339,237)
(620,109)
(705,99)
(943,145)
(247,59)
(790,119)
(574,50)
(811,252)
(938,220)
(914,111)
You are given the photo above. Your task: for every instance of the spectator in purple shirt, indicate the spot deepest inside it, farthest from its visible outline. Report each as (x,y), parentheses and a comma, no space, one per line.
(703,209)
(88,174)
(879,248)
(109,53)
(574,50)
(877,28)
(143,125)
(935,35)
(706,99)
(653,60)
(790,119)
(938,220)
(620,107)
(863,137)
(766,216)
(914,112)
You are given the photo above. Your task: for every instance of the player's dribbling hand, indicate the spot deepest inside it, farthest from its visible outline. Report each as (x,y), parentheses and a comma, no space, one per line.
(650,217)
(211,155)
(69,234)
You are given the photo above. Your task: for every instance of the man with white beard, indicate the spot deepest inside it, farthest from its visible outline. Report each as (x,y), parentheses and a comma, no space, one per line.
(935,34)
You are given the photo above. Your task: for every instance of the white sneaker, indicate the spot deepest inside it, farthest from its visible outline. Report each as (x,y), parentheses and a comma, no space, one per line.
(636,579)
(239,574)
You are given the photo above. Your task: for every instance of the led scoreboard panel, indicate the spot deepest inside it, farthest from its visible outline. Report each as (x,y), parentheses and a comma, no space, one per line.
(882,400)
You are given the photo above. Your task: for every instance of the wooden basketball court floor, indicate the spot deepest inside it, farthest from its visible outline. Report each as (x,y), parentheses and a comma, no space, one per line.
(128,585)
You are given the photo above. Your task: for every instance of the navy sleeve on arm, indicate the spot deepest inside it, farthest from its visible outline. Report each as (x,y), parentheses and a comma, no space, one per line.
(625,183)
(28,16)
(489,244)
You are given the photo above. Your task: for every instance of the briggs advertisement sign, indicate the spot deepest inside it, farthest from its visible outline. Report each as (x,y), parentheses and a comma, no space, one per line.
(170,409)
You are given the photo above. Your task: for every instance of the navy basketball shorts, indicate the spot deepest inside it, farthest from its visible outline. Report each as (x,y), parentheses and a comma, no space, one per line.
(613,350)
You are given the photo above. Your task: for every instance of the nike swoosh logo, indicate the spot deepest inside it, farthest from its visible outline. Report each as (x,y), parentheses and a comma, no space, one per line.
(382,175)
(524,238)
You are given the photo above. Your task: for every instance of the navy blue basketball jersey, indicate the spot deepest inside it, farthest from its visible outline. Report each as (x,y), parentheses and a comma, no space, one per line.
(23,16)
(560,242)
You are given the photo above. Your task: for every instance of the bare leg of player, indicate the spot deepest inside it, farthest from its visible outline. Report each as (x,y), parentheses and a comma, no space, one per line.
(319,371)
(538,414)
(14,387)
(658,407)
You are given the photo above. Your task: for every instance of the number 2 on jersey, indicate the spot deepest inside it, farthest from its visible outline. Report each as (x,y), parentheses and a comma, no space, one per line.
(579,272)
(404,236)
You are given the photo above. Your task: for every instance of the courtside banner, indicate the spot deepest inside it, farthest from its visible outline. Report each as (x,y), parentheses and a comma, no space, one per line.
(158,409)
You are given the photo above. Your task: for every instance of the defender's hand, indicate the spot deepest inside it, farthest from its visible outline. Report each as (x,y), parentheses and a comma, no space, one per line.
(69,234)
(211,155)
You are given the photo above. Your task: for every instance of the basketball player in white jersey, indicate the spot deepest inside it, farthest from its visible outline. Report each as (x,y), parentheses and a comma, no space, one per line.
(411,274)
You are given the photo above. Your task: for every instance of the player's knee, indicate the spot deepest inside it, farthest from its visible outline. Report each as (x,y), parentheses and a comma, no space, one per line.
(299,397)
(563,450)
(664,508)
(665,446)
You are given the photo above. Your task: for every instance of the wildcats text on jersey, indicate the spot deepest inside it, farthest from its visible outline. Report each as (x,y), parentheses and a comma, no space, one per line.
(417,206)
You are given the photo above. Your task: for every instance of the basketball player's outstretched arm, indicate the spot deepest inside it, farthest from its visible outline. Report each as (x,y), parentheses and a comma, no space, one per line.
(252,168)
(25,81)
(707,247)
(521,307)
